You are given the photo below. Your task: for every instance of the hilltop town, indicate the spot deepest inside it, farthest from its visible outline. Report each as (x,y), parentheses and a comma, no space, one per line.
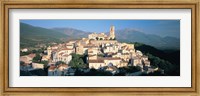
(101,52)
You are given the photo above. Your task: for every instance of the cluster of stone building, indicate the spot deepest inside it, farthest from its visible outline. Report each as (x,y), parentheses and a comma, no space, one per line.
(102,51)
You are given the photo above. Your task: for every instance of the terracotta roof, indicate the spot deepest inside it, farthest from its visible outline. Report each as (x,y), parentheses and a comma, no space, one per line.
(54,50)
(114,53)
(63,65)
(96,61)
(52,64)
(52,68)
(136,57)
(31,55)
(61,53)
(110,53)
(111,58)
(90,51)
(66,55)
(66,49)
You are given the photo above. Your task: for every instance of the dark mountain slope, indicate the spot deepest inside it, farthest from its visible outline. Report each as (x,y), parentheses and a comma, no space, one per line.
(31,35)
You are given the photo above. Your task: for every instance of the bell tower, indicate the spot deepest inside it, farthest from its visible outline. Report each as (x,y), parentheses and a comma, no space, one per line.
(112,32)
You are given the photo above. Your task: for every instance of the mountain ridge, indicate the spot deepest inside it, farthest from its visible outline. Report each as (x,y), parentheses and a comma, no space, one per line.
(77,34)
(32,35)
(148,39)
(122,35)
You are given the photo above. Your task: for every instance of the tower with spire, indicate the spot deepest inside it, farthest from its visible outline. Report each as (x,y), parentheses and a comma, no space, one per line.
(112,32)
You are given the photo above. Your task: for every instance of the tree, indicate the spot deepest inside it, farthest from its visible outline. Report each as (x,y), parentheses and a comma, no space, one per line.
(39,72)
(37,58)
(168,67)
(40,51)
(22,62)
(131,69)
(94,72)
(100,55)
(155,73)
(97,38)
(84,58)
(34,51)
(24,53)
(59,62)
(45,63)
(101,39)
(77,61)
(79,73)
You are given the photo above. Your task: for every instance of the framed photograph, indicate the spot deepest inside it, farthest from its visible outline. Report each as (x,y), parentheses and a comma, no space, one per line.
(100,47)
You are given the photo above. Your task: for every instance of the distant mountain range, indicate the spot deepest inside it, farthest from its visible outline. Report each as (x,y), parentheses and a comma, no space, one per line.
(131,35)
(75,33)
(42,35)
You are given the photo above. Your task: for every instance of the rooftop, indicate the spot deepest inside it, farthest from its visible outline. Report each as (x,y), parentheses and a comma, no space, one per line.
(96,61)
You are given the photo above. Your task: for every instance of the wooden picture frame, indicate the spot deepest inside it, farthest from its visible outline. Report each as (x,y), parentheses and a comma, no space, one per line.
(6,5)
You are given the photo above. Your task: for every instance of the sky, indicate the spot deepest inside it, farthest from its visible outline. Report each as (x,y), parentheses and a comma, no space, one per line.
(161,28)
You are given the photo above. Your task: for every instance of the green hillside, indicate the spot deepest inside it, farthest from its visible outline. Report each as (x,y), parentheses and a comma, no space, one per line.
(31,36)
(168,60)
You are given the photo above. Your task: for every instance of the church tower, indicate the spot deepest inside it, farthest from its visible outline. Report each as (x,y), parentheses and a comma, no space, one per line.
(112,32)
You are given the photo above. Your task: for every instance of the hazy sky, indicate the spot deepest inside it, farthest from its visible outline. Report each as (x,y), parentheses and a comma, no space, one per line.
(159,27)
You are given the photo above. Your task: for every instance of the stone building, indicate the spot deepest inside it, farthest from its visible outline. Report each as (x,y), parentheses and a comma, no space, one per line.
(103,36)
